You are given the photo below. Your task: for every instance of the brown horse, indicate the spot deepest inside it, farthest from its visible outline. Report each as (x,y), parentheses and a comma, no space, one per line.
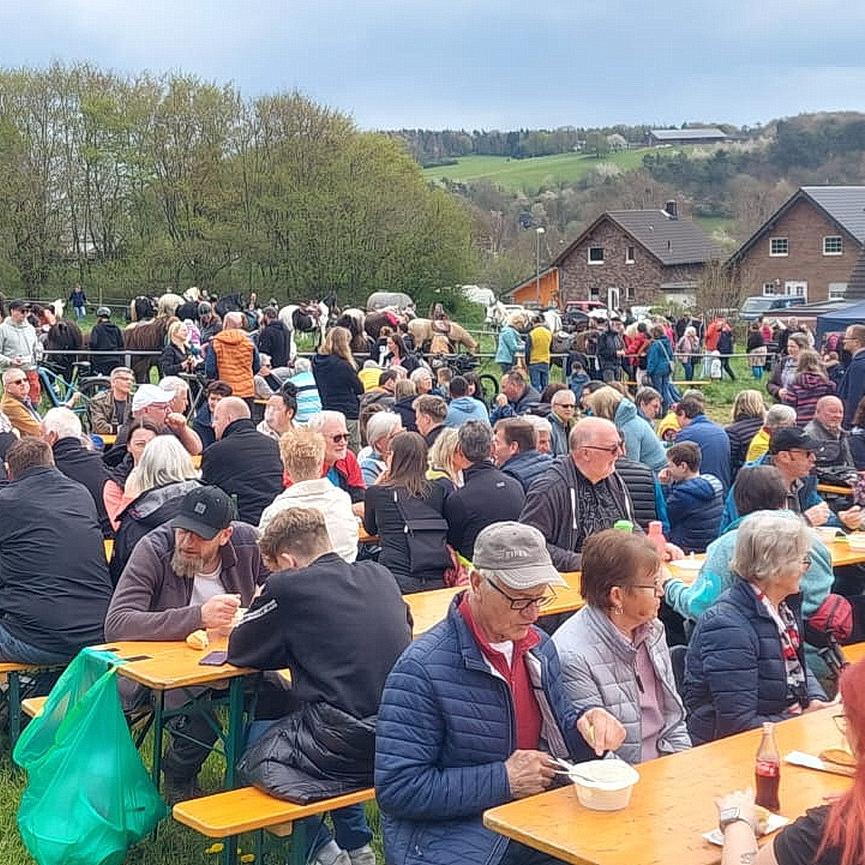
(146,336)
(422,331)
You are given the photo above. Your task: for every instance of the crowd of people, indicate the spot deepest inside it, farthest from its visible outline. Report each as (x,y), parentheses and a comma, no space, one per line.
(252,530)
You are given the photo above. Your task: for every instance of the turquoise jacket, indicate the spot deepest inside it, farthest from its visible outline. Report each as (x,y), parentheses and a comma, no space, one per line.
(510,345)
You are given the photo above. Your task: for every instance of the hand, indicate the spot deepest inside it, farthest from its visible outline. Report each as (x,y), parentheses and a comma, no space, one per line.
(782,394)
(818,515)
(674,552)
(17,360)
(741,799)
(501,400)
(816,705)
(218,611)
(664,476)
(601,730)
(175,421)
(529,772)
(73,400)
(852,517)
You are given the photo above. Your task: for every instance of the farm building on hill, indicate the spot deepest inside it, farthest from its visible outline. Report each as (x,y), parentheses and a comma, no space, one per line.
(808,247)
(627,257)
(704,135)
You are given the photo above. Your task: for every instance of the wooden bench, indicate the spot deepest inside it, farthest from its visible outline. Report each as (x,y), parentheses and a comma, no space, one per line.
(247,809)
(33,706)
(687,384)
(11,671)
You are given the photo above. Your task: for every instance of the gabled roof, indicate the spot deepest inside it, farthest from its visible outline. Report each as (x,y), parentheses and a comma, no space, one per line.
(694,134)
(844,206)
(671,241)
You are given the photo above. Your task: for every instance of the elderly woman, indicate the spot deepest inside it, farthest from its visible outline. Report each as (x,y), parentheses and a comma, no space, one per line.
(380,431)
(614,653)
(746,662)
(641,443)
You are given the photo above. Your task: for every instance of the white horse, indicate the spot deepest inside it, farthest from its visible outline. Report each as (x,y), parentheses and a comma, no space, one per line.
(552,319)
(310,318)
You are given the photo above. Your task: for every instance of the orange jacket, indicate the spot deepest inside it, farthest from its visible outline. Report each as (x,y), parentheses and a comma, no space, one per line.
(234,354)
(20,418)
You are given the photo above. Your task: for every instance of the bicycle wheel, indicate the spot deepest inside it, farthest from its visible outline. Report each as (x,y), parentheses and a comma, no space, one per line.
(489,386)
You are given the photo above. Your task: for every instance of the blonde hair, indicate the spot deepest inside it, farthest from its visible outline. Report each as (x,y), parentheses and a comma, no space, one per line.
(809,361)
(604,402)
(441,454)
(338,342)
(173,328)
(302,452)
(748,403)
(403,388)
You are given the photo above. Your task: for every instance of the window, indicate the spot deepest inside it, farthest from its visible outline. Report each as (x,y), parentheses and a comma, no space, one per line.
(779,246)
(833,245)
(630,252)
(596,255)
(594,294)
(837,290)
(629,293)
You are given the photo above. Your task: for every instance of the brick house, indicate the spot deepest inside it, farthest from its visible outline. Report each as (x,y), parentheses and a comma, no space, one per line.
(628,257)
(808,247)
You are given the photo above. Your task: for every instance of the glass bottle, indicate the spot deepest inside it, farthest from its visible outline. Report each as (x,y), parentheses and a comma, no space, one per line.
(767,770)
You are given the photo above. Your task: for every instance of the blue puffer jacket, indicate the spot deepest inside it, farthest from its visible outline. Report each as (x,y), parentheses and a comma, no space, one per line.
(641,443)
(694,509)
(735,676)
(527,466)
(445,728)
(509,346)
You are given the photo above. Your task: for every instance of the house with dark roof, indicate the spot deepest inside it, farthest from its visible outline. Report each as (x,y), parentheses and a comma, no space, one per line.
(701,135)
(627,257)
(808,247)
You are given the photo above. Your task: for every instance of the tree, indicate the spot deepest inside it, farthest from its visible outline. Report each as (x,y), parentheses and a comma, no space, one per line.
(597,143)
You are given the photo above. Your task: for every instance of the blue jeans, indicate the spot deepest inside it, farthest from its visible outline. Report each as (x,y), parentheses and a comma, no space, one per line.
(349,824)
(80,311)
(13,649)
(539,375)
(688,366)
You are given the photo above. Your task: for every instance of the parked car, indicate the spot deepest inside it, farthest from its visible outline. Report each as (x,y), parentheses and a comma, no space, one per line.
(757,306)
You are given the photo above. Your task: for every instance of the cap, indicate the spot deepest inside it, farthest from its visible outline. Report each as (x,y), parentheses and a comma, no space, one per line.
(791,437)
(204,308)
(150,394)
(517,555)
(205,511)
(103,312)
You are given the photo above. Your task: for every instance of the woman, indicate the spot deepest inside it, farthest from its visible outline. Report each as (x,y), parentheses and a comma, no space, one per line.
(399,355)
(749,414)
(641,443)
(279,413)
(659,366)
(746,661)
(177,357)
(614,653)
(114,494)
(510,343)
(809,385)
(441,459)
(476,389)
(756,347)
(406,511)
(648,403)
(829,834)
(687,349)
(163,477)
(335,373)
(784,371)
(404,394)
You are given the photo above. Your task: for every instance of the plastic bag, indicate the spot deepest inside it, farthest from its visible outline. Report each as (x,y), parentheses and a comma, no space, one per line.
(88,795)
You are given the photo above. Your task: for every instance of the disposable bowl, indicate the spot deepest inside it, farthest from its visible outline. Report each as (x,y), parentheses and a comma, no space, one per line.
(610,787)
(856,540)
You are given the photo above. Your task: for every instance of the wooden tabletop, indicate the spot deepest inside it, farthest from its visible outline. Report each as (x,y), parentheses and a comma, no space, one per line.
(673,803)
(166,665)
(854,653)
(844,554)
(835,489)
(108,438)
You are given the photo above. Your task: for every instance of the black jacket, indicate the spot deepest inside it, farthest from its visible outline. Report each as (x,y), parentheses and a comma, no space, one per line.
(639,480)
(244,463)
(105,336)
(172,361)
(86,467)
(403,407)
(489,496)
(54,584)
(274,341)
(338,384)
(740,433)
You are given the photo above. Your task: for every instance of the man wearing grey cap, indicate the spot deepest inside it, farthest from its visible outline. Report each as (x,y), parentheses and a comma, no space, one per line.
(474,709)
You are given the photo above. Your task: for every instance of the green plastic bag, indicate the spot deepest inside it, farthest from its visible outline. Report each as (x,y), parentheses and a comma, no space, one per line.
(88,795)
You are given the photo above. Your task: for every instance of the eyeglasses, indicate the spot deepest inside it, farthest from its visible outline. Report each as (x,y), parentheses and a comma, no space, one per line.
(521,604)
(340,437)
(612,450)
(656,586)
(565,405)
(806,560)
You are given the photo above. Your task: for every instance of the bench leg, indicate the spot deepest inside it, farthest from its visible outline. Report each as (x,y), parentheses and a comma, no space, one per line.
(234,733)
(298,843)
(14,704)
(158,731)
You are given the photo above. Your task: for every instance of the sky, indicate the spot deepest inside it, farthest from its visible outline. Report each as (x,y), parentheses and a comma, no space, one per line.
(476,64)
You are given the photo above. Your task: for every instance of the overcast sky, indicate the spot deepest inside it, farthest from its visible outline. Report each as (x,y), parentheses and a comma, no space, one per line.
(477,63)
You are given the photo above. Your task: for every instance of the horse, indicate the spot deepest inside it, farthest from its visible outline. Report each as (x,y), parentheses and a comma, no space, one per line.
(422,331)
(168,303)
(476,294)
(64,335)
(142,308)
(309,317)
(374,321)
(146,336)
(354,321)
(381,299)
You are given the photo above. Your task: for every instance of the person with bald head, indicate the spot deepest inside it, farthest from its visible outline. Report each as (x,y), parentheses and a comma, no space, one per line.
(242,461)
(233,358)
(825,428)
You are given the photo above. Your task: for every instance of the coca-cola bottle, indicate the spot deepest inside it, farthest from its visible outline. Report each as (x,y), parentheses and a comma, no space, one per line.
(767,771)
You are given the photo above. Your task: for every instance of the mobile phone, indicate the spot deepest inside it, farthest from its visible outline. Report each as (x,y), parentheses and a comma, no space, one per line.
(214,659)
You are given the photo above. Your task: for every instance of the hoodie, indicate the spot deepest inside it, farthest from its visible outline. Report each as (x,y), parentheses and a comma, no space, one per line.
(465,408)
(19,340)
(694,508)
(804,392)
(641,443)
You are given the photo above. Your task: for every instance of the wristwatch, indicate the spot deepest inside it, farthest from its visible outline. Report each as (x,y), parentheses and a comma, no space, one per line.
(732,815)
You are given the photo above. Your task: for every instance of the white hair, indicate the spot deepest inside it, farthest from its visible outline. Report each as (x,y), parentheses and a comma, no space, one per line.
(63,422)
(302,364)
(382,424)
(780,415)
(320,420)
(769,544)
(164,461)
(419,373)
(173,383)
(538,423)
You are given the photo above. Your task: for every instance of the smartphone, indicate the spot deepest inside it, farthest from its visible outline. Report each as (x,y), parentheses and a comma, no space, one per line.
(214,659)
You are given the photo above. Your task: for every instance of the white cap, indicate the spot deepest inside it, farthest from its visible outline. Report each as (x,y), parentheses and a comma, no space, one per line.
(149,394)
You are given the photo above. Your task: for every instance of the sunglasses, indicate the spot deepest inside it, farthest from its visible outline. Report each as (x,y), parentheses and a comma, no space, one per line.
(340,437)
(612,450)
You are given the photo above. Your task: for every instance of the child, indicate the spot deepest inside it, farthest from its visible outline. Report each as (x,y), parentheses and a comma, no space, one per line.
(578,380)
(443,381)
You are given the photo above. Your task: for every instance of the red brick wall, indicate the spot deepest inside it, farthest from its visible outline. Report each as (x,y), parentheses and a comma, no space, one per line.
(804,226)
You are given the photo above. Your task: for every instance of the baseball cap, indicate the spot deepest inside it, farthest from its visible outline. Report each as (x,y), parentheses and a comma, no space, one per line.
(103,312)
(150,394)
(205,511)
(791,437)
(517,555)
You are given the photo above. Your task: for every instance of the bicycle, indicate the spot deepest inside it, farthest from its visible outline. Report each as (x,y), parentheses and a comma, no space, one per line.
(460,364)
(74,393)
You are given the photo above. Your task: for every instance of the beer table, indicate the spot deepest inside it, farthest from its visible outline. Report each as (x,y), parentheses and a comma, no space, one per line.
(835,489)
(844,554)
(673,802)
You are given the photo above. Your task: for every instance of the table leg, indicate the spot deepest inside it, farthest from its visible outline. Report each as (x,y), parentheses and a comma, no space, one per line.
(14,704)
(158,710)
(234,733)
(297,852)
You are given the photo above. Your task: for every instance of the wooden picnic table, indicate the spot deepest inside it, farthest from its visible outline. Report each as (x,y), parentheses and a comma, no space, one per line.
(844,554)
(673,802)
(854,652)
(834,489)
(108,438)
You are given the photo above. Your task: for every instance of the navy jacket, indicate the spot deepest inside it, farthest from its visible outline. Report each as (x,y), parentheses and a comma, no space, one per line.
(735,676)
(694,508)
(445,728)
(714,447)
(527,466)
(852,387)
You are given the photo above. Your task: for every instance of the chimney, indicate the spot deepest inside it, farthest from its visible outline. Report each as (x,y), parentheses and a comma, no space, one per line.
(671,208)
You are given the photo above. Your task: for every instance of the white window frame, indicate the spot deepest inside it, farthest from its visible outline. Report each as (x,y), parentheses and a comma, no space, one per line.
(796,288)
(589,255)
(839,238)
(769,285)
(783,254)
(837,290)
(629,293)
(630,254)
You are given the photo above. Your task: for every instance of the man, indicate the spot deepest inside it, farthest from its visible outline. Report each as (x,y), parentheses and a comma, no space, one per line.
(177,386)
(488,494)
(825,429)
(430,413)
(516,398)
(233,357)
(20,347)
(195,572)
(55,587)
(152,402)
(279,413)
(852,387)
(109,409)
(209,323)
(695,501)
(543,433)
(273,339)
(562,417)
(463,407)
(105,336)
(538,342)
(242,462)
(778,416)
(16,403)
(474,709)
(611,349)
(203,423)
(514,451)
(61,428)
(711,438)
(340,465)
(336,683)
(302,452)
(381,429)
